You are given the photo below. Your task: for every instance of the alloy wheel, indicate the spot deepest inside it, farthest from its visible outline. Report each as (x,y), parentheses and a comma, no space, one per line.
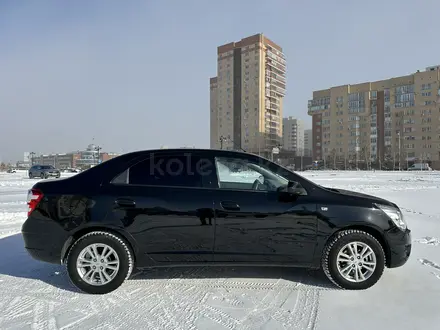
(98,264)
(356,262)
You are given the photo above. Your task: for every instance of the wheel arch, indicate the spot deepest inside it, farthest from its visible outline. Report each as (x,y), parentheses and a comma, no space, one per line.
(80,233)
(373,232)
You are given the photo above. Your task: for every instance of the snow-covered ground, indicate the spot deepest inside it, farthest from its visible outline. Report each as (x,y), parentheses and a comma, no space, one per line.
(36,295)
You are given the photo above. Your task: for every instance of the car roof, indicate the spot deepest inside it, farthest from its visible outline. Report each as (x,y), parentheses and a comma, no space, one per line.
(189,150)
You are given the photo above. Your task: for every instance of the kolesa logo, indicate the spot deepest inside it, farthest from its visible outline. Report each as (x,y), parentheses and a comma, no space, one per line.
(175,166)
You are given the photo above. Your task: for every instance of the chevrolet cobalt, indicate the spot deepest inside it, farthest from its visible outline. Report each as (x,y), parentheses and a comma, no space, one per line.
(192,207)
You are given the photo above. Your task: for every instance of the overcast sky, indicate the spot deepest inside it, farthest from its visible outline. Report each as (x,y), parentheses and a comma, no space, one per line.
(135,74)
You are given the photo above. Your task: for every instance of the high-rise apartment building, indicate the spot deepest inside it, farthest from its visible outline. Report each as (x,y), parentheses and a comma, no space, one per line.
(308,136)
(395,120)
(247,95)
(293,135)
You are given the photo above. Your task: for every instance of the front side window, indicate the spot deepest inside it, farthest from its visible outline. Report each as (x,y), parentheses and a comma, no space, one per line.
(242,174)
(168,170)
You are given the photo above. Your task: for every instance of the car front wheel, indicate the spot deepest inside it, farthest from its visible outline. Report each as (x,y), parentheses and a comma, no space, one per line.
(99,262)
(353,259)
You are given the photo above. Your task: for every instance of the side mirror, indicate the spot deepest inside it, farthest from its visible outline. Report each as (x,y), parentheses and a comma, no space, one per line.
(291,194)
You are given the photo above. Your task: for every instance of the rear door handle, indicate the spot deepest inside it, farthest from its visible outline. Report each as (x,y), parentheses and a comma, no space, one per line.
(125,202)
(230,206)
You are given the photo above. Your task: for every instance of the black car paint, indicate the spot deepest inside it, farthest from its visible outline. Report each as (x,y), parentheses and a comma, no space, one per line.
(188,226)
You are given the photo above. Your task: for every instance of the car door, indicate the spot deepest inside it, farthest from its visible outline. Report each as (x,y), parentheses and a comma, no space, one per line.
(253,224)
(37,171)
(166,210)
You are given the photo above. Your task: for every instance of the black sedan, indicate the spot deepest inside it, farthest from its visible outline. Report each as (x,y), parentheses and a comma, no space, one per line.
(192,207)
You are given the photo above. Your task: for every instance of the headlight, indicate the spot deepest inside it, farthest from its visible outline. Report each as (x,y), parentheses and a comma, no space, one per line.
(395,215)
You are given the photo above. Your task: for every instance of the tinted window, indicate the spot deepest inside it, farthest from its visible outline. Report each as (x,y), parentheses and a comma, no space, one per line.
(180,170)
(46,167)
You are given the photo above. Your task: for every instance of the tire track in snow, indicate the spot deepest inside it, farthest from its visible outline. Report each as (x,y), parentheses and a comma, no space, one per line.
(44,316)
(263,311)
(428,240)
(304,315)
(420,213)
(431,264)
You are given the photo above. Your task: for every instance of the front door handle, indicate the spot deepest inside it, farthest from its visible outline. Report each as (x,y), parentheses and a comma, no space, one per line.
(125,202)
(230,206)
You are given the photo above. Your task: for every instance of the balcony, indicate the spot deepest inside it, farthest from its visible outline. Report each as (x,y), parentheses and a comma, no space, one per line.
(278,90)
(272,104)
(275,91)
(276,82)
(279,55)
(276,60)
(317,109)
(278,77)
(275,65)
(273,111)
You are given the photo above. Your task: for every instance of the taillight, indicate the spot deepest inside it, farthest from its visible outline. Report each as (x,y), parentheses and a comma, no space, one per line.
(34,197)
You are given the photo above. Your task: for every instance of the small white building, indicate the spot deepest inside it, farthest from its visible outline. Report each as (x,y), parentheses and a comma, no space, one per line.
(293,135)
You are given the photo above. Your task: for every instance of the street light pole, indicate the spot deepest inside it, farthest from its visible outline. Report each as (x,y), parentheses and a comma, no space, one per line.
(98,148)
(222,139)
(398,134)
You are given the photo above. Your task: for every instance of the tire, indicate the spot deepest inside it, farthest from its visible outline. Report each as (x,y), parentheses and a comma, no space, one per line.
(31,176)
(42,176)
(339,243)
(123,253)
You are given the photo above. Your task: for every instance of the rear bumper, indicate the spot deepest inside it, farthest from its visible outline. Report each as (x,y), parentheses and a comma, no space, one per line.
(399,243)
(44,255)
(43,239)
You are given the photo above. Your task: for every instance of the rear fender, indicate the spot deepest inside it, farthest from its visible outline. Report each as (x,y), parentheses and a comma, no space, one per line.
(111,229)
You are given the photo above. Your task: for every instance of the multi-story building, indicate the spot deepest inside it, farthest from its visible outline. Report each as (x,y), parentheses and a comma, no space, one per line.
(293,135)
(247,95)
(308,135)
(92,155)
(64,160)
(395,120)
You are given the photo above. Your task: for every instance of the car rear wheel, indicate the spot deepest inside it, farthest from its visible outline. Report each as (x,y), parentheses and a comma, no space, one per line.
(31,176)
(353,259)
(99,262)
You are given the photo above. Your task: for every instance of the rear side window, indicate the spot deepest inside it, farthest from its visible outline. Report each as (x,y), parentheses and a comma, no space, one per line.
(175,171)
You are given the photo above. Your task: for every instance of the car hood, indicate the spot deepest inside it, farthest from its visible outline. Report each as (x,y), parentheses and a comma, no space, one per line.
(355,194)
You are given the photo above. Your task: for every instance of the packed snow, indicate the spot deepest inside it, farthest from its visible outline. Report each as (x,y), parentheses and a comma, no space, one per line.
(36,295)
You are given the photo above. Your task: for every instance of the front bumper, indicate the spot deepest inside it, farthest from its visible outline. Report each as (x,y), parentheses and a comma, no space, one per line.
(399,244)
